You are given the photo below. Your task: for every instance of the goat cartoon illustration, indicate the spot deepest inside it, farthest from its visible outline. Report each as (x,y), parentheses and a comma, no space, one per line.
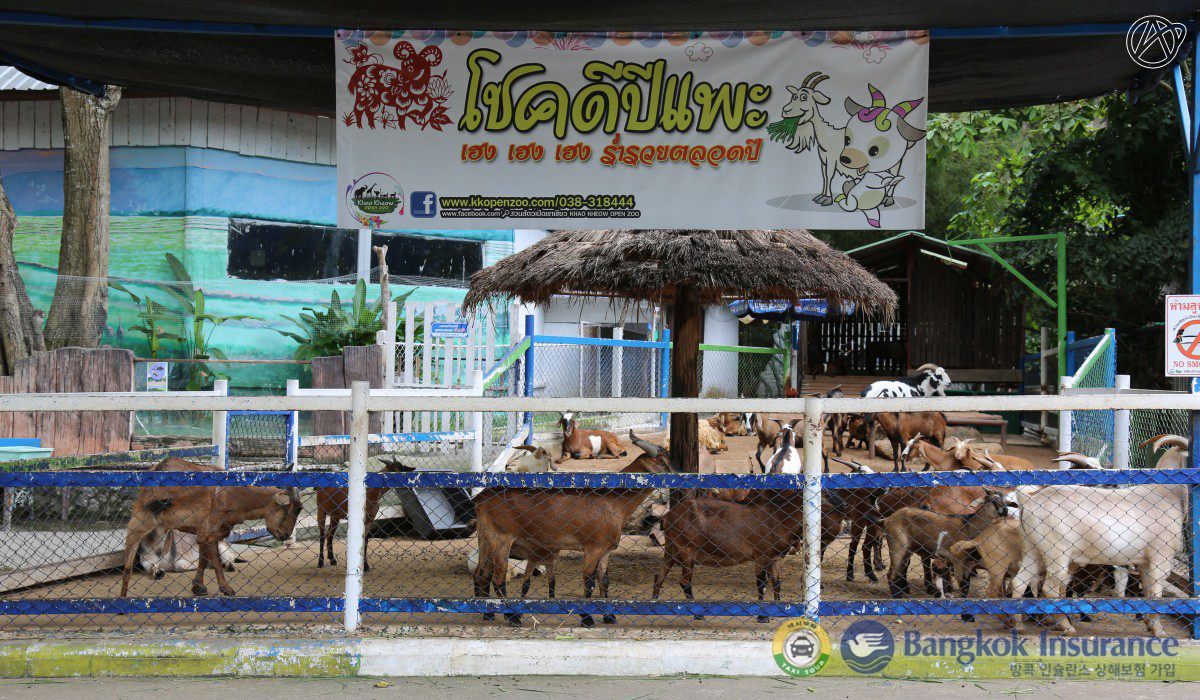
(876,139)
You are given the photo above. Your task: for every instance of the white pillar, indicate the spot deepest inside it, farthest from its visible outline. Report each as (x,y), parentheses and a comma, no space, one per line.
(720,369)
(812,506)
(1044,375)
(1064,419)
(220,436)
(364,254)
(1121,429)
(618,357)
(356,501)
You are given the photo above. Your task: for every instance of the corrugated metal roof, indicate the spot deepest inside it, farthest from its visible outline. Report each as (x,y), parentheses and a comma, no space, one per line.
(13,79)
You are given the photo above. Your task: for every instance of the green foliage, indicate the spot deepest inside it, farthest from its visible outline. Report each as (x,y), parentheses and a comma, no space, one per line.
(1109,174)
(324,332)
(194,326)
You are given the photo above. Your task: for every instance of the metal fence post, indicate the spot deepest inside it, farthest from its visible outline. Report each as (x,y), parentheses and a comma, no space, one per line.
(812,507)
(356,501)
(1121,428)
(1043,378)
(477,426)
(220,425)
(529,375)
(1064,417)
(664,373)
(1070,352)
(1194,527)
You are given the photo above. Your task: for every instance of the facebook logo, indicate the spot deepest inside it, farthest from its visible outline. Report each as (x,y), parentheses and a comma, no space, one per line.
(424,205)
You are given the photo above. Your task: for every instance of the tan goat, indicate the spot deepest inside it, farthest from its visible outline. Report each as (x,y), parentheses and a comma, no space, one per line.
(333,506)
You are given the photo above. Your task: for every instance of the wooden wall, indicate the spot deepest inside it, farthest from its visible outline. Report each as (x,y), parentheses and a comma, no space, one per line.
(75,370)
(180,121)
(355,364)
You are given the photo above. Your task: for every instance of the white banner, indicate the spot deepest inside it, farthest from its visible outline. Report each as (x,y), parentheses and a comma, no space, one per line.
(728,130)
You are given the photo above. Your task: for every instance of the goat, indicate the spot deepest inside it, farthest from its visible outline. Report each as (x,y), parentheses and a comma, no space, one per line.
(812,128)
(836,422)
(900,428)
(856,431)
(333,505)
(172,550)
(730,423)
(930,379)
(587,444)
(1000,462)
(545,522)
(1176,454)
(928,534)
(1065,525)
(534,459)
(210,513)
(1075,460)
(786,459)
(760,527)
(766,427)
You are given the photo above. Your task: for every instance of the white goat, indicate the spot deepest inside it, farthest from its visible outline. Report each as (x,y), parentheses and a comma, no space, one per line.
(930,379)
(1135,526)
(786,459)
(813,128)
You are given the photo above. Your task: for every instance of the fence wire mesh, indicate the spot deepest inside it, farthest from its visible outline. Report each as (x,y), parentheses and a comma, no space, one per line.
(445,545)
(1092,432)
(750,373)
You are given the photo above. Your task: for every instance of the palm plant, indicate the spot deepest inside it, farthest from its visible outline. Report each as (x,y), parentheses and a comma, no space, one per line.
(324,332)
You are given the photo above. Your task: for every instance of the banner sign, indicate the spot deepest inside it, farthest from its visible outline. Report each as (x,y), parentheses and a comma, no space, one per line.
(782,310)
(448,329)
(1183,335)
(725,130)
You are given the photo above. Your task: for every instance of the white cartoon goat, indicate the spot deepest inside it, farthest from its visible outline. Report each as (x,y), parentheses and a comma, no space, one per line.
(877,137)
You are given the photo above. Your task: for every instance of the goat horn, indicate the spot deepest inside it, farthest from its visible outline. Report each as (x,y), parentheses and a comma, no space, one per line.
(911,442)
(927,365)
(1075,458)
(294,494)
(816,82)
(1166,440)
(647,447)
(849,463)
(804,83)
(987,459)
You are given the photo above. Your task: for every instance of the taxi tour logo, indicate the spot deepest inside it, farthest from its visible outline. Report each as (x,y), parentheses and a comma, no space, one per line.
(801,647)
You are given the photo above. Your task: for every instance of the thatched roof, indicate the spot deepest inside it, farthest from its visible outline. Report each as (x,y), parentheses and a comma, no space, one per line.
(651,264)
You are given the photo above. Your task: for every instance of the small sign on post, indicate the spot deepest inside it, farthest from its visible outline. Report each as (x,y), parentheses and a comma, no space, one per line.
(1183,335)
(448,329)
(156,376)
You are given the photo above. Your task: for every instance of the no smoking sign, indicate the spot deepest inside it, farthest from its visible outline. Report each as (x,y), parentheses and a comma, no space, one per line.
(1183,335)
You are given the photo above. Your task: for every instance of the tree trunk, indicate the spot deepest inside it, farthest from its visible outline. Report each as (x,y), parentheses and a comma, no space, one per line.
(685,380)
(80,306)
(20,323)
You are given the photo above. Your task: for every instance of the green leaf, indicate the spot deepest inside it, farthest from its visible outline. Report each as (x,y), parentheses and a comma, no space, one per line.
(179,270)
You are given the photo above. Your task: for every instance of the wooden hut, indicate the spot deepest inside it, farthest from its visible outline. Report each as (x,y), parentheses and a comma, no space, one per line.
(957,308)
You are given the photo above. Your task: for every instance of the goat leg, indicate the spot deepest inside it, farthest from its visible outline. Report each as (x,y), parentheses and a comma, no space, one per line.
(138,529)
(198,580)
(482,581)
(214,560)
(760,582)
(321,540)
(685,581)
(502,591)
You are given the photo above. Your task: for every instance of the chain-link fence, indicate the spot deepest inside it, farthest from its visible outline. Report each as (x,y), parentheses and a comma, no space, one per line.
(1092,432)
(611,533)
(739,372)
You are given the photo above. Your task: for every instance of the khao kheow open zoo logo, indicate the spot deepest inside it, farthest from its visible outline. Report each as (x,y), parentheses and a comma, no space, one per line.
(861,159)
(372,196)
(392,97)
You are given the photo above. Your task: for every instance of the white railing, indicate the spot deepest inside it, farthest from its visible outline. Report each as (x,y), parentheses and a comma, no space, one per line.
(361,401)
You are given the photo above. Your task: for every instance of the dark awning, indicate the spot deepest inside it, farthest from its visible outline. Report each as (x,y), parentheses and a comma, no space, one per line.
(282,53)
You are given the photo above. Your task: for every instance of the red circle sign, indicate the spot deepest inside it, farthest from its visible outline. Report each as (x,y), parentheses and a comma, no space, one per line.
(1190,350)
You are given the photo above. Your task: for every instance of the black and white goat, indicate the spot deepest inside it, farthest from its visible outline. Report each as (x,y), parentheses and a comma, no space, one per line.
(786,459)
(930,379)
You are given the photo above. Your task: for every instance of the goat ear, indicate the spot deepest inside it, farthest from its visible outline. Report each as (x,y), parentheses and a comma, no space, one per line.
(820,97)
(282,499)
(975,504)
(910,133)
(527,448)
(793,89)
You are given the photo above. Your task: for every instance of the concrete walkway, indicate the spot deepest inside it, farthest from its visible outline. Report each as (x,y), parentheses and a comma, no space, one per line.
(592,688)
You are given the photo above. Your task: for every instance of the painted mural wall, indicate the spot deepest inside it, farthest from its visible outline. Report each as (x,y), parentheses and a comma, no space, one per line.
(180,200)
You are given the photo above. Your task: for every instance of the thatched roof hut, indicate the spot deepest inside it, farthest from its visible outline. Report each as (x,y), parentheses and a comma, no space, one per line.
(684,270)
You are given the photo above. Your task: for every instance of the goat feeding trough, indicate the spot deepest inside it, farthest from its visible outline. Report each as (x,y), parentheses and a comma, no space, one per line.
(683,271)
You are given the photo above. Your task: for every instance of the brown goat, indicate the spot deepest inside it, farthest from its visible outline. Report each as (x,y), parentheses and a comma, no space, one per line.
(928,534)
(333,505)
(761,528)
(544,522)
(730,423)
(587,444)
(210,513)
(902,427)
(158,547)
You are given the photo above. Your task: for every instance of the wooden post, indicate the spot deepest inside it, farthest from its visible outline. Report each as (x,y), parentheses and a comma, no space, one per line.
(688,331)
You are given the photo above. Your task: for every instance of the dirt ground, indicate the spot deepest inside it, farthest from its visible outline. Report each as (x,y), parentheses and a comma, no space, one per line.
(407,567)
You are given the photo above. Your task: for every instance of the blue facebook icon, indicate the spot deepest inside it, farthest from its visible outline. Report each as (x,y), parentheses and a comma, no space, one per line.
(423,205)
